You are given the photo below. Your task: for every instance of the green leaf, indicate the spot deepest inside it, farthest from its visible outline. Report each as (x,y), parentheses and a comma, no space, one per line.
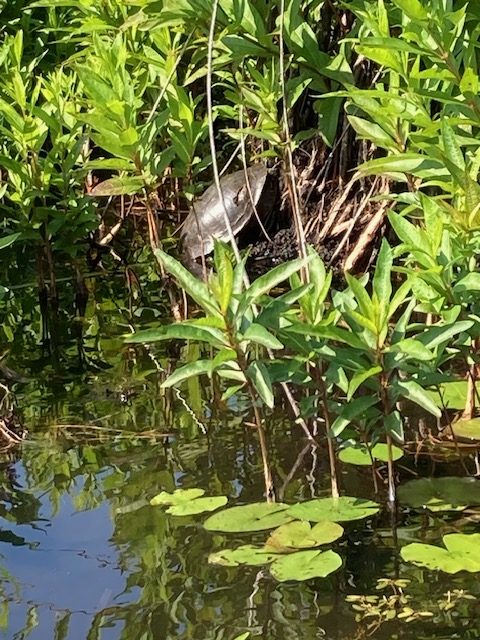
(352,410)
(190,370)
(224,269)
(452,149)
(413,9)
(267,282)
(454,394)
(188,502)
(259,335)
(118,186)
(371,131)
(382,285)
(359,378)
(195,287)
(358,454)
(6,241)
(406,163)
(250,517)
(114,164)
(328,332)
(242,47)
(434,336)
(247,554)
(440,494)
(179,331)
(415,393)
(469,283)
(177,497)
(412,348)
(340,509)
(258,374)
(362,298)
(301,535)
(406,231)
(462,553)
(305,565)
(467,429)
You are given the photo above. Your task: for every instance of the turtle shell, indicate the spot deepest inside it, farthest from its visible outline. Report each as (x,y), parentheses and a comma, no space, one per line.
(206,222)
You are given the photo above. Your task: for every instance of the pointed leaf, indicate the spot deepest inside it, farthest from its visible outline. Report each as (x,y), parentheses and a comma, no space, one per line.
(258,374)
(259,335)
(195,287)
(413,391)
(190,370)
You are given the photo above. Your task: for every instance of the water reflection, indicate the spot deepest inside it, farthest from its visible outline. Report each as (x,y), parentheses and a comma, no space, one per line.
(84,556)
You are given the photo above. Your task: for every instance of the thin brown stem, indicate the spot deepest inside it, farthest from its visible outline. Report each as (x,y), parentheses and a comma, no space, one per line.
(330,444)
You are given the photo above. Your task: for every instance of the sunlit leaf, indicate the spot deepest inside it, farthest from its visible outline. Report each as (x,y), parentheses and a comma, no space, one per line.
(250,517)
(340,509)
(358,454)
(462,553)
(246,554)
(467,429)
(188,502)
(305,565)
(118,186)
(299,534)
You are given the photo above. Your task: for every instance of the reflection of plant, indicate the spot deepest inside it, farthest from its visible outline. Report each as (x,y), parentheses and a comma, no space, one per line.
(379,609)
(376,610)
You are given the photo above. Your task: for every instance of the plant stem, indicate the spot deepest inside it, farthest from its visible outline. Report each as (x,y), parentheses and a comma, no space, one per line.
(242,363)
(386,412)
(331,447)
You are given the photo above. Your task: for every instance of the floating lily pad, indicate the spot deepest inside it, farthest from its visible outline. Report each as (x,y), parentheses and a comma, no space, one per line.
(440,494)
(467,429)
(462,553)
(454,394)
(358,454)
(179,495)
(188,502)
(250,517)
(246,554)
(305,565)
(301,535)
(334,509)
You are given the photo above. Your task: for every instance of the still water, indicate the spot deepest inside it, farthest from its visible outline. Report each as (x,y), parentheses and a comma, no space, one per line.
(83,556)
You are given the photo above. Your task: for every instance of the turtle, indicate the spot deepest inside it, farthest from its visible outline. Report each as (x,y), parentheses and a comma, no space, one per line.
(206,221)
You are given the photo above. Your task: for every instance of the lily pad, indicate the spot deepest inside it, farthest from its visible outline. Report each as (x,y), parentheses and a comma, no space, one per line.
(250,517)
(246,554)
(188,502)
(440,494)
(358,454)
(299,534)
(179,495)
(305,565)
(340,509)
(467,429)
(462,553)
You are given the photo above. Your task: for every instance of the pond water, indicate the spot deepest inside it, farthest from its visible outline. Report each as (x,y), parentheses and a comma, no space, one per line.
(85,557)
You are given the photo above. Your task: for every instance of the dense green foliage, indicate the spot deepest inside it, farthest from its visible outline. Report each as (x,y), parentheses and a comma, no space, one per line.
(108,103)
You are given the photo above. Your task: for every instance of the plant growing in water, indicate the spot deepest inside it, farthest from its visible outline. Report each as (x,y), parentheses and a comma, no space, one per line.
(231,327)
